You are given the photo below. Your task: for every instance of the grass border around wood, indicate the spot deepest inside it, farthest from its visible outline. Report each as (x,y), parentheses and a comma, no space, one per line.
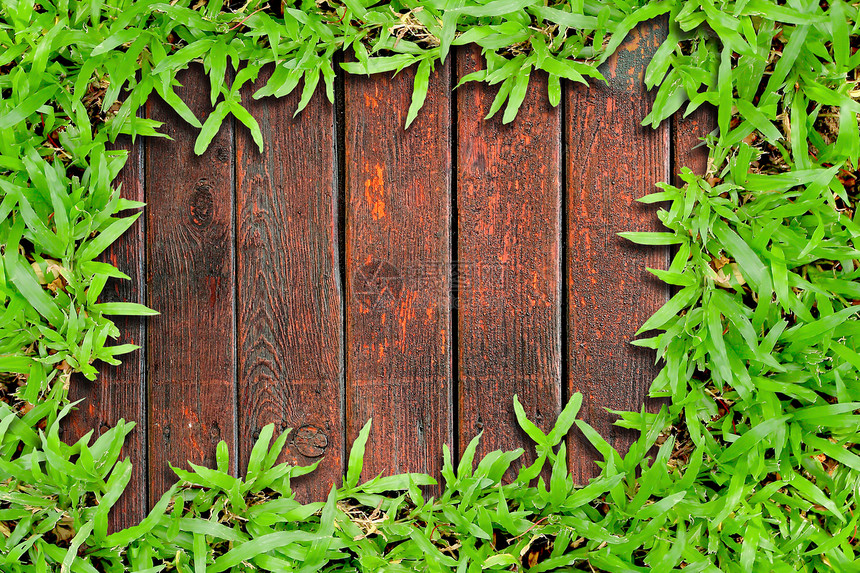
(754,463)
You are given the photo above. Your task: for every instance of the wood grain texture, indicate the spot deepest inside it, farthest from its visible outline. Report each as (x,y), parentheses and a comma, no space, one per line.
(290,342)
(119,391)
(612,161)
(190,280)
(398,262)
(687,134)
(509,239)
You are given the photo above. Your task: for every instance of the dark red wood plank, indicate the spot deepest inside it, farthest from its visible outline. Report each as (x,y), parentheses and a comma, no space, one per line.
(190,280)
(290,347)
(119,391)
(509,226)
(612,161)
(398,271)
(687,134)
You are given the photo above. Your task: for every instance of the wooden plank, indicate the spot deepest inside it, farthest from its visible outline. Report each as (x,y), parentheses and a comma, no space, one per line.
(290,347)
(509,243)
(190,280)
(687,133)
(612,161)
(118,392)
(398,260)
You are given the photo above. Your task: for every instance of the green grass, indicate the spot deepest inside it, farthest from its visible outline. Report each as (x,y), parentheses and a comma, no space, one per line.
(757,465)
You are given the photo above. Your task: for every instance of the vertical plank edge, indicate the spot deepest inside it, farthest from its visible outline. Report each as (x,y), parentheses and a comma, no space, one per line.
(509,244)
(191,393)
(398,263)
(290,307)
(611,161)
(687,133)
(119,391)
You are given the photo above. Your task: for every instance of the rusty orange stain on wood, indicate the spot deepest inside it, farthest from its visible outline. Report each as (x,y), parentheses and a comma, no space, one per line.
(406,315)
(214,284)
(374,190)
(603,150)
(633,39)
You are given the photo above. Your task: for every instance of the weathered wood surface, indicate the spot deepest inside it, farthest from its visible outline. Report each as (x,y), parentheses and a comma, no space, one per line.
(509,263)
(611,162)
(290,335)
(398,263)
(190,279)
(356,270)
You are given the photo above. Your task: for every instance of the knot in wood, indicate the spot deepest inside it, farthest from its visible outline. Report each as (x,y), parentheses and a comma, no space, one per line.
(201,203)
(222,154)
(310,441)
